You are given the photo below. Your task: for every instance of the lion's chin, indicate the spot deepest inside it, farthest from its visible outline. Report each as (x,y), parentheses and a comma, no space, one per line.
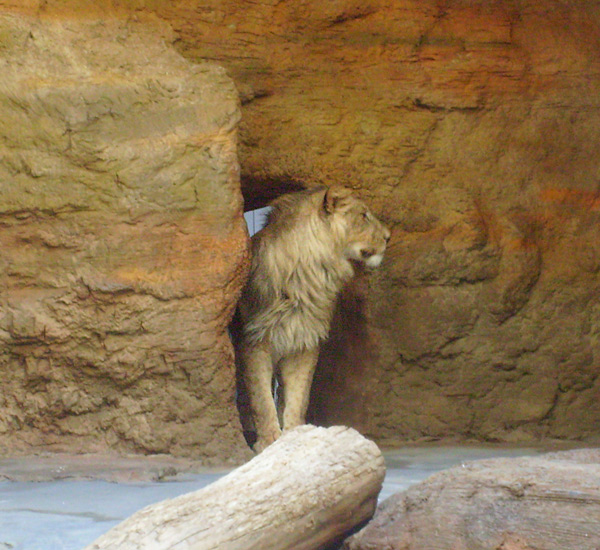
(374,261)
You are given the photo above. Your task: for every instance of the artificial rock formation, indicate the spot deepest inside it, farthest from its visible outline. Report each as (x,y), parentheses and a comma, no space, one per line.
(122,245)
(471,127)
(550,502)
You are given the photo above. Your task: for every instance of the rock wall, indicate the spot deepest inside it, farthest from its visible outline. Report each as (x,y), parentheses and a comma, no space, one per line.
(472,129)
(122,244)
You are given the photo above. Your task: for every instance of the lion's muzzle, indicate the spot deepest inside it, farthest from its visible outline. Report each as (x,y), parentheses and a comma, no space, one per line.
(373,261)
(372,256)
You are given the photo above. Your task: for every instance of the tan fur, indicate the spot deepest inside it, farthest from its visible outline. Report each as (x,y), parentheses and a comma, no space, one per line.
(301,259)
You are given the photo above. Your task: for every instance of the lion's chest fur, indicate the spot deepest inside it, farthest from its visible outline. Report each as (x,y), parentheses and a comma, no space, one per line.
(297,272)
(296,316)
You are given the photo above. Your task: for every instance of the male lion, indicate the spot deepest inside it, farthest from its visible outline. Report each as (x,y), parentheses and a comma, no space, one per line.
(300,261)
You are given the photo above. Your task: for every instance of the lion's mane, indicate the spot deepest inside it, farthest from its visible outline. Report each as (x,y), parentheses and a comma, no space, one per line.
(298,269)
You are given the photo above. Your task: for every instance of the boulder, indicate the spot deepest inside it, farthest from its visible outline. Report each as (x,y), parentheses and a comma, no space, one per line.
(123,247)
(550,502)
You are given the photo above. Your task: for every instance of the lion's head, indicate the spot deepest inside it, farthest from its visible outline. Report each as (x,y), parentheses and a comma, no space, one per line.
(363,236)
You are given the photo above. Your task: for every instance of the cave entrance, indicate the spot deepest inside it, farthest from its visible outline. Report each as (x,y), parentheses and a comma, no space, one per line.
(256,219)
(259,192)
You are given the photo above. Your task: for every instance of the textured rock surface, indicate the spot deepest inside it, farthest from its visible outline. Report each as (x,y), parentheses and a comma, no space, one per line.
(472,128)
(550,502)
(122,245)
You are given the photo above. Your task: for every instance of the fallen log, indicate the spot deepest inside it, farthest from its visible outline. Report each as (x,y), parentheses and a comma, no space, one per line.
(303,493)
(549,502)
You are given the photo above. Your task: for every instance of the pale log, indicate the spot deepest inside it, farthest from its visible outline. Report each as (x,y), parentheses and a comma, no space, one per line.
(303,493)
(548,502)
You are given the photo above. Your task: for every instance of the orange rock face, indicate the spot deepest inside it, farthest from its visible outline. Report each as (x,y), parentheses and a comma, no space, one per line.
(472,128)
(123,248)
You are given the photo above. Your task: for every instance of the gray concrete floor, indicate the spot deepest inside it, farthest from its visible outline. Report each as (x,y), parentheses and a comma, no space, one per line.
(66,502)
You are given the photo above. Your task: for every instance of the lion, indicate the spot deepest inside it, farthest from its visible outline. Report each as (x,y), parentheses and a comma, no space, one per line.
(300,261)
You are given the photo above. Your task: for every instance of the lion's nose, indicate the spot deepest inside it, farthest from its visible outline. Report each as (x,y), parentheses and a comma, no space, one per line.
(366,253)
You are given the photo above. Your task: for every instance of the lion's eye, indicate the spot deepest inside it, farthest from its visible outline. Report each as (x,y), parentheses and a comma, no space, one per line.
(365,215)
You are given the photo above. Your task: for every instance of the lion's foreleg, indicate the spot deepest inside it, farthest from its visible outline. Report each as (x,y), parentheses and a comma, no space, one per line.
(296,373)
(258,377)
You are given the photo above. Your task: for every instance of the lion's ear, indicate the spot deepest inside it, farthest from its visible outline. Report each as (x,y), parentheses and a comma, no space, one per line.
(334,197)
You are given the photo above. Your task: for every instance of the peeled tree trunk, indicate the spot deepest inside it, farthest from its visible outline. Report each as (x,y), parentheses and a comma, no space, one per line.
(303,493)
(547,502)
